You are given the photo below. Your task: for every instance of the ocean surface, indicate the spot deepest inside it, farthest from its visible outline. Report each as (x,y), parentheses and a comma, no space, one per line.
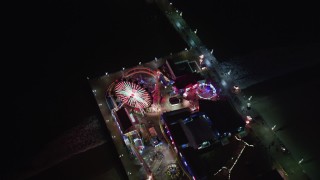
(50,100)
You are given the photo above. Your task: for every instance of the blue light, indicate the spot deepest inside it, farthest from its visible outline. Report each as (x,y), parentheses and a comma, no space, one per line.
(184,146)
(185,163)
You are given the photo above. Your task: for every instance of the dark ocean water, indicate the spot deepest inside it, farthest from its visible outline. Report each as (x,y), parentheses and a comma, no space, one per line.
(236,28)
(66,41)
(61,44)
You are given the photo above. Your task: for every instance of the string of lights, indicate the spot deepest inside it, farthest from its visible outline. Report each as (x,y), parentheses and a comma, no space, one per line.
(235,162)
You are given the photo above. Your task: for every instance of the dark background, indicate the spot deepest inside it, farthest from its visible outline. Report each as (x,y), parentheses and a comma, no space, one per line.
(57,44)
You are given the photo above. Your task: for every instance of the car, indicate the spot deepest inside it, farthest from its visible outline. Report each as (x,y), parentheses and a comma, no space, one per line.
(138,144)
(204,145)
(236,89)
(175,100)
(155,141)
(284,149)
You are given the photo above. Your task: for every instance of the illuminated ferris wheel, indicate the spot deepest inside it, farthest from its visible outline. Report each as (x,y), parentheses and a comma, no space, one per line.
(132,94)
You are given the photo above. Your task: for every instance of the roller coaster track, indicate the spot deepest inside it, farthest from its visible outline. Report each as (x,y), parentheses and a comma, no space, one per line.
(138,70)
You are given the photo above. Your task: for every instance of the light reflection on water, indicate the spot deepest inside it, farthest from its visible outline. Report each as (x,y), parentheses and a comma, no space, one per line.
(87,135)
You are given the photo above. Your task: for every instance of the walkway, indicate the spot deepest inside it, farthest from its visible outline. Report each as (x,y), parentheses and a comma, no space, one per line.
(284,162)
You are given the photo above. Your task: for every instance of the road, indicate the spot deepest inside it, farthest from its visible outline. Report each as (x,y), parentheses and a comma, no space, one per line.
(285,163)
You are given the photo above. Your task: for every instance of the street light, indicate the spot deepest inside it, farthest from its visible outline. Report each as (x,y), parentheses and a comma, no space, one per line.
(301,161)
(248,105)
(123,68)
(140,63)
(273,127)
(196,31)
(107,73)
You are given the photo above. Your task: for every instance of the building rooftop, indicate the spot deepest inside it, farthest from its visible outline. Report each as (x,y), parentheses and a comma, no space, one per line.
(198,129)
(224,116)
(124,120)
(189,78)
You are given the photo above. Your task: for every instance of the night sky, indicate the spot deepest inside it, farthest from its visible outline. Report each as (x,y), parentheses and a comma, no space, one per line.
(59,44)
